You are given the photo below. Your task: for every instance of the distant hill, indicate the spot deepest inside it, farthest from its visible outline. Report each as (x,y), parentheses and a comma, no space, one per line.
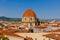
(9,19)
(51,19)
(19,19)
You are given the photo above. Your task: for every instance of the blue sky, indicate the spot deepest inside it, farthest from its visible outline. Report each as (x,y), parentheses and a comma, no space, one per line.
(44,9)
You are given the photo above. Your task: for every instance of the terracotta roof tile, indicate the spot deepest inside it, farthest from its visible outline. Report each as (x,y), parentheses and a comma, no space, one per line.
(10,33)
(53,36)
(29,13)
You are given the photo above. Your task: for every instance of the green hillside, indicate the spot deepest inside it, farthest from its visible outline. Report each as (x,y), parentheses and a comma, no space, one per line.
(9,19)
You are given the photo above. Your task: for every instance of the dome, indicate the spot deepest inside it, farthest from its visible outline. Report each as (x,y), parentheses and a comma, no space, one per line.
(29,13)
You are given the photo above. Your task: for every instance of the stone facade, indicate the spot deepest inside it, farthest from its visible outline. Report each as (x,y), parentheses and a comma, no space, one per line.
(29,18)
(30,21)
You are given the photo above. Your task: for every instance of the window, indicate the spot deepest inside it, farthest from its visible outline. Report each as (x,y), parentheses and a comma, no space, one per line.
(25,18)
(30,18)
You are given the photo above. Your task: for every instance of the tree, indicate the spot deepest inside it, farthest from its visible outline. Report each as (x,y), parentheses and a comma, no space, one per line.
(5,38)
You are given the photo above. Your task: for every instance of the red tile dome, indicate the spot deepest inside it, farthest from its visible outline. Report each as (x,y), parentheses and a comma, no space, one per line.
(29,13)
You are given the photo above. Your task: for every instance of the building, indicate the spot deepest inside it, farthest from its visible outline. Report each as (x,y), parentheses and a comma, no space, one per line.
(14,37)
(10,35)
(52,36)
(29,18)
(37,36)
